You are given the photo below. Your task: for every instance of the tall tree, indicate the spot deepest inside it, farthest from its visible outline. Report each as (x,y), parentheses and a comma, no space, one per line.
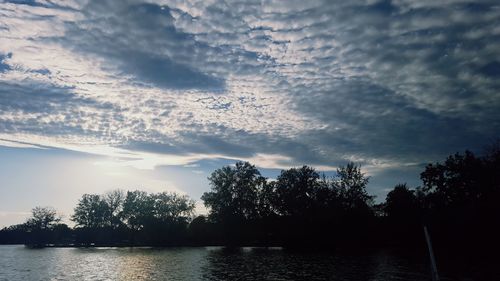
(267,200)
(42,222)
(401,203)
(114,199)
(296,191)
(454,182)
(351,185)
(92,211)
(42,218)
(172,206)
(234,192)
(138,209)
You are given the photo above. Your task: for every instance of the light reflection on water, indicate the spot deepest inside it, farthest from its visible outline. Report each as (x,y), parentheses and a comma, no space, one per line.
(211,263)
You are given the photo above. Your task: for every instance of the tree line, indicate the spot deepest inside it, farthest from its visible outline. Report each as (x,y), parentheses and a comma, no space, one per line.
(458,201)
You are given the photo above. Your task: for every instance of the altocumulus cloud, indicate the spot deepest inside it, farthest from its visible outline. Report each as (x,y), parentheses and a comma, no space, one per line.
(141,40)
(384,83)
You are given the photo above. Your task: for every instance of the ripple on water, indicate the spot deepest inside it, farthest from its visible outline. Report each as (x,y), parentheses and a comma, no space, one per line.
(212,263)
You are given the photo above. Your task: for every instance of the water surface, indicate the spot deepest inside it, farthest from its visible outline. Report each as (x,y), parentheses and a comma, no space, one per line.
(204,263)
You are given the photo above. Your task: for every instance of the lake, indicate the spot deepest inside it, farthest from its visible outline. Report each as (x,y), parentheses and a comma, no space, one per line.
(203,263)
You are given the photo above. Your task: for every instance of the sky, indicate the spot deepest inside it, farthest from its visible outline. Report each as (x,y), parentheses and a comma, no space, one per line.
(97,95)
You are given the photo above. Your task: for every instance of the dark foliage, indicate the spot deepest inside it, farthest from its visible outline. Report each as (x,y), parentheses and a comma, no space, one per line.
(299,208)
(458,202)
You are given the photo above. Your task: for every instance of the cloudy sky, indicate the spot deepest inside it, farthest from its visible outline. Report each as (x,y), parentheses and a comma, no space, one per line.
(154,95)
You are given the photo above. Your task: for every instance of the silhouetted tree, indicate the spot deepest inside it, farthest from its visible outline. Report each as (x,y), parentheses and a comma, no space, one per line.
(157,218)
(172,206)
(401,203)
(92,211)
(39,225)
(351,184)
(138,209)
(203,232)
(42,218)
(114,199)
(491,181)
(453,183)
(403,219)
(15,234)
(296,191)
(234,201)
(267,198)
(234,192)
(460,200)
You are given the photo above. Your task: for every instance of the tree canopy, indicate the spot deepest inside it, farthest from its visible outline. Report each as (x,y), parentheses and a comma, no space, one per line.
(458,201)
(43,218)
(234,192)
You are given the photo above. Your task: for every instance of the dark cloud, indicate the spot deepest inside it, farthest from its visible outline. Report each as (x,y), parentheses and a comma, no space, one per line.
(396,82)
(195,143)
(164,73)
(33,97)
(49,110)
(141,40)
(4,66)
(42,71)
(366,119)
(37,98)
(25,2)
(240,144)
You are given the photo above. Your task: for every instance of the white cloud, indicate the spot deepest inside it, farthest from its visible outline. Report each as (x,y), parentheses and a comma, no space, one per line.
(262,79)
